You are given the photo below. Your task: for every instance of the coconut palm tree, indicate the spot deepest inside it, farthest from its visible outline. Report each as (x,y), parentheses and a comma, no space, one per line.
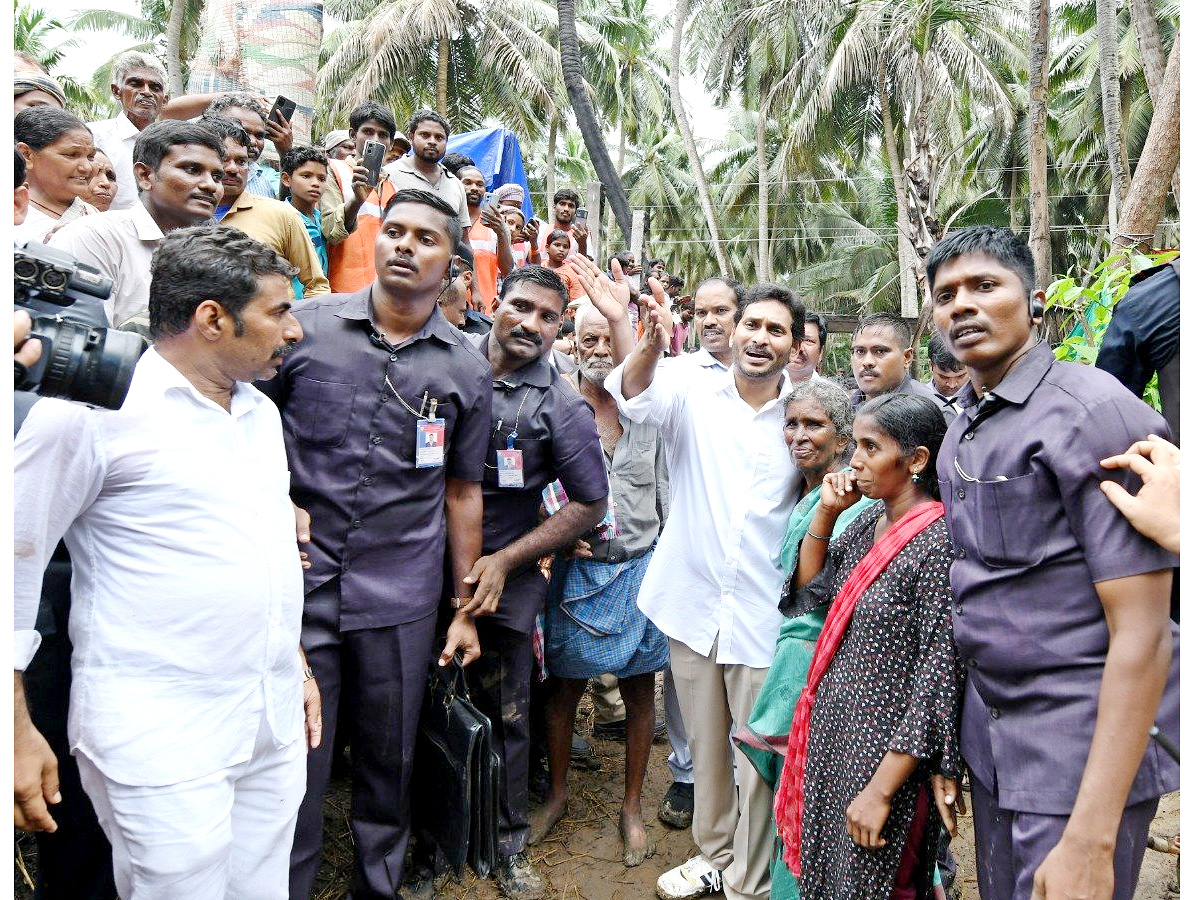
(37,32)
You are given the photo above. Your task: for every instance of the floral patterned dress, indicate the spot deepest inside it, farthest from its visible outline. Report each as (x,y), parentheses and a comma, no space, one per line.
(895,684)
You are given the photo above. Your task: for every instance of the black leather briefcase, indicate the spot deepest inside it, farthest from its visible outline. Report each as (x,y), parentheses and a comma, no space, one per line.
(456,774)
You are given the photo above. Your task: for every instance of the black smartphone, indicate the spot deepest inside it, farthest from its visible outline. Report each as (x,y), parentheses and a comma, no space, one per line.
(283,109)
(373,153)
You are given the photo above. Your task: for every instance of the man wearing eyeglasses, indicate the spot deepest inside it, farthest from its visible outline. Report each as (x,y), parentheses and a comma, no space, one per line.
(1061,608)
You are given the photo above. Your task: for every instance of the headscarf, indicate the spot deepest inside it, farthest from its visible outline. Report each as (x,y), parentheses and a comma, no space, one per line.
(24,82)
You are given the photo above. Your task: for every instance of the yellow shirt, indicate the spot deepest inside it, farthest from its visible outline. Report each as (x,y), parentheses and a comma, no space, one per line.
(279,226)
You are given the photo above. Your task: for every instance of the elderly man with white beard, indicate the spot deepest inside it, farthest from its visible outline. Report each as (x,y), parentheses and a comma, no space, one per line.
(593,625)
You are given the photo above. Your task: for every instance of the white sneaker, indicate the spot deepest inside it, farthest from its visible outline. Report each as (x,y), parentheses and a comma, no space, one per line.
(694,878)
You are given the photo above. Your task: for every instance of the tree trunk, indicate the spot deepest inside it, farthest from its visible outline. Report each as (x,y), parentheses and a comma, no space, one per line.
(585,117)
(551,163)
(760,138)
(1144,204)
(443,75)
(906,254)
(174,38)
(689,142)
(1039,194)
(1110,96)
(1154,61)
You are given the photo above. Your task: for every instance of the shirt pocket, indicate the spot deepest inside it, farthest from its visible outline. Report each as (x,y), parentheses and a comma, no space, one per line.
(318,412)
(637,469)
(1008,521)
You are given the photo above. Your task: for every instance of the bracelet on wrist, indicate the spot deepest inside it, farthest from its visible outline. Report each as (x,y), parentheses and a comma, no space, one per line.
(459,602)
(308,675)
(819,537)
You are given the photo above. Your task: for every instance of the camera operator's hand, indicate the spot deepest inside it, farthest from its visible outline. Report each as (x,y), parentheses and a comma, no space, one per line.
(27,352)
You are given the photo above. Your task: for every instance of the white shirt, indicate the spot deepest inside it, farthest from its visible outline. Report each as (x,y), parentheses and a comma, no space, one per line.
(37,224)
(703,359)
(116,138)
(120,244)
(187,589)
(733,486)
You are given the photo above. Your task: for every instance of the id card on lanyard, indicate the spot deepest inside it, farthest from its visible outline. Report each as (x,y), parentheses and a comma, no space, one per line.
(431,443)
(510,465)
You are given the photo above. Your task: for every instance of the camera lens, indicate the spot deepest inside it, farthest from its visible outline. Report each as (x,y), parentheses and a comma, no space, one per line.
(88,363)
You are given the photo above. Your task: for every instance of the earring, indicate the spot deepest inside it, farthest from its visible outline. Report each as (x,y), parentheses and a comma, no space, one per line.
(916,478)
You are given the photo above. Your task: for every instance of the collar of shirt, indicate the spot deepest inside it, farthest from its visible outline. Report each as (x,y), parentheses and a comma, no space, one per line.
(538,373)
(706,360)
(143,223)
(122,127)
(1018,383)
(729,386)
(358,306)
(408,163)
(160,377)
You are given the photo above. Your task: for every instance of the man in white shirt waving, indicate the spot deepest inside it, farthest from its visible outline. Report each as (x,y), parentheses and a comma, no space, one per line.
(190,699)
(711,586)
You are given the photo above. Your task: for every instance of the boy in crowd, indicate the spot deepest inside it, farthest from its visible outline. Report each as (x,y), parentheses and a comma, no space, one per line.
(303,179)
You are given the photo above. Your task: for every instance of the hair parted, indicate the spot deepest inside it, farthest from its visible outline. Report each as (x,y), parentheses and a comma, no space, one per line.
(757,293)
(911,421)
(207,262)
(40,126)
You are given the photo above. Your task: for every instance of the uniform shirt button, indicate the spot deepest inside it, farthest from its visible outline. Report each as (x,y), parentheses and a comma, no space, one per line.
(970,435)
(383,398)
(357,523)
(962,494)
(367,479)
(392,357)
(376,438)
(995,713)
(962,553)
(958,609)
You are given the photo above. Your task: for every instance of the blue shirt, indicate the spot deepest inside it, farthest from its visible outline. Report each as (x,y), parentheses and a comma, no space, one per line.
(263,180)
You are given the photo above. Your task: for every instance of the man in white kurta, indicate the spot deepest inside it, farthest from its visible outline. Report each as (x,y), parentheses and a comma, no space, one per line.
(712,587)
(189,702)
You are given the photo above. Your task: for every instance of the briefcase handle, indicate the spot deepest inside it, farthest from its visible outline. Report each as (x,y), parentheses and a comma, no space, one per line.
(452,680)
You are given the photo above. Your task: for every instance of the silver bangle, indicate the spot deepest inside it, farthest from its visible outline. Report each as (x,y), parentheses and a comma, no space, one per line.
(308,675)
(818,537)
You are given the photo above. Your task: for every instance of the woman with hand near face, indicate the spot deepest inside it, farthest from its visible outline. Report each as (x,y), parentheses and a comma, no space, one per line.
(878,715)
(817,429)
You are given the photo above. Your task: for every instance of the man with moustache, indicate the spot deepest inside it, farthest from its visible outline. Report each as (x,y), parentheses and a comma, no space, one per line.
(190,705)
(542,431)
(806,361)
(1060,606)
(386,409)
(880,353)
(716,302)
(247,111)
(275,223)
(428,133)
(712,587)
(139,84)
(593,625)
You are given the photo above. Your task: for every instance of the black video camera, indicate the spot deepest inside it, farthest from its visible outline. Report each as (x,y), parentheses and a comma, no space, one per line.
(82,358)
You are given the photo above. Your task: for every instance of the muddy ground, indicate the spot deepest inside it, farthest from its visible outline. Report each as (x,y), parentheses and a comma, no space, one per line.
(582,857)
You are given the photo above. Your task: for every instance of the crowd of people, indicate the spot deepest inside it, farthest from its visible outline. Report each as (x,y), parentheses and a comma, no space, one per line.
(386,422)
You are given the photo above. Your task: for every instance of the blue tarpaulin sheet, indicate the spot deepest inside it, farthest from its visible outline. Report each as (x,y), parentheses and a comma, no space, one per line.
(498,156)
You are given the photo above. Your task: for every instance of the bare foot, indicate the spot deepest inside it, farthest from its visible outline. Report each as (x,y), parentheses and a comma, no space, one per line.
(634,842)
(544,818)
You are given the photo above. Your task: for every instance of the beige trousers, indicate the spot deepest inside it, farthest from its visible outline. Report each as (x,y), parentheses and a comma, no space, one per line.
(730,825)
(606,699)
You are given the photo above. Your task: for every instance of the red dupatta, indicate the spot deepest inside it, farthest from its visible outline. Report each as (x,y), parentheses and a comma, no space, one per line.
(789,799)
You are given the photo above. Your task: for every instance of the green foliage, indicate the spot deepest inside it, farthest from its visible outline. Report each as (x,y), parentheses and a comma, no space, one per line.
(1088,306)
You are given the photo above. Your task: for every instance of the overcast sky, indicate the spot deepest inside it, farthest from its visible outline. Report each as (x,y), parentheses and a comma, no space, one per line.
(80,62)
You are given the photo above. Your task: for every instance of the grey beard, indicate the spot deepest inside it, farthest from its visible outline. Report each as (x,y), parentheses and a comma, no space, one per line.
(596,371)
